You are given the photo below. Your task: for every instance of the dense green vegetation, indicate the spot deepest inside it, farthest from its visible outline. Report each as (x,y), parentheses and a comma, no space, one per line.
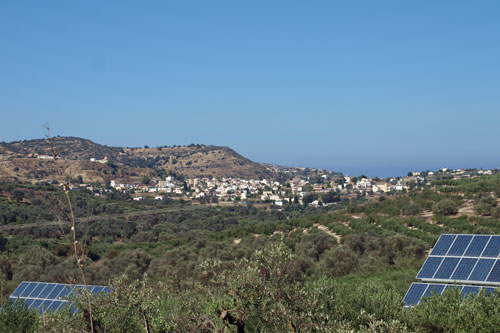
(176,267)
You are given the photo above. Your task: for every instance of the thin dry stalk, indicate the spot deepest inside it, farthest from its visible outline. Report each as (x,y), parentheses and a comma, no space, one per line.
(79,257)
(44,320)
(2,293)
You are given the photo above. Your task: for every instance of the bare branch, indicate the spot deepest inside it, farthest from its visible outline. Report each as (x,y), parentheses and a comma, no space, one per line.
(79,255)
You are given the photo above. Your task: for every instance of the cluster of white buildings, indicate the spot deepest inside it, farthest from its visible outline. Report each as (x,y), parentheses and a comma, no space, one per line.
(375,186)
(414,179)
(265,190)
(224,189)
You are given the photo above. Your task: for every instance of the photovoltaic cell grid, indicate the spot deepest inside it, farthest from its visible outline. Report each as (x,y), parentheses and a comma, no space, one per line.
(45,296)
(471,260)
(465,259)
(419,291)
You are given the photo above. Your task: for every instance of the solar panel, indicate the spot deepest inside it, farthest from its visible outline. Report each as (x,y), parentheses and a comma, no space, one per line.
(443,244)
(446,268)
(414,294)
(419,291)
(468,262)
(45,296)
(493,248)
(464,269)
(477,245)
(459,245)
(434,289)
(429,268)
(494,275)
(470,259)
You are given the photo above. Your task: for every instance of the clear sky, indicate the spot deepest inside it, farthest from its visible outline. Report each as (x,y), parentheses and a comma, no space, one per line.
(374,87)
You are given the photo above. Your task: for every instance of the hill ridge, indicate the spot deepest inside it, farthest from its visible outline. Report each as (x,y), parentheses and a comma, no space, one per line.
(192,160)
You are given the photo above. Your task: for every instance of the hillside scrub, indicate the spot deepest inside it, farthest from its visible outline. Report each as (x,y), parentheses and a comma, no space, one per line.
(261,295)
(174,267)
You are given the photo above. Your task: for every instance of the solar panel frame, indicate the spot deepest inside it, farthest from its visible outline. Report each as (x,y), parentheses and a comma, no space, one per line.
(56,305)
(37,290)
(434,288)
(19,289)
(477,245)
(459,246)
(443,244)
(36,303)
(489,290)
(45,296)
(46,292)
(492,250)
(456,286)
(468,262)
(418,291)
(28,290)
(429,268)
(467,290)
(446,269)
(414,293)
(464,269)
(28,301)
(494,275)
(482,269)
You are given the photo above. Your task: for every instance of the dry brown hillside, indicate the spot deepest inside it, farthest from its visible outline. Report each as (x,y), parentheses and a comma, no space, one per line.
(22,160)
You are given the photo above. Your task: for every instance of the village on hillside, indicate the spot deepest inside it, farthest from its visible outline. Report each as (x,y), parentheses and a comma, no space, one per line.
(322,189)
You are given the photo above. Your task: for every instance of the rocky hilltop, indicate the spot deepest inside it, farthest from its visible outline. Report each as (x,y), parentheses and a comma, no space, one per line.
(30,160)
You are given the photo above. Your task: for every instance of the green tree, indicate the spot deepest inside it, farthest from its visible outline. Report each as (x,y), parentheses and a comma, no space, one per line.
(308,198)
(262,295)
(340,261)
(445,207)
(3,242)
(5,269)
(485,205)
(496,212)
(17,318)
(17,195)
(452,312)
(330,196)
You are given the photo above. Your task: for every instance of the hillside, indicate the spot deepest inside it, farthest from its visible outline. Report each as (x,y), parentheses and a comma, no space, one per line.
(67,147)
(21,160)
(316,269)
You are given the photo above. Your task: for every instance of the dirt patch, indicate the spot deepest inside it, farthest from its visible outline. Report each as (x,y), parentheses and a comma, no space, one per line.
(427,215)
(346,224)
(328,231)
(467,208)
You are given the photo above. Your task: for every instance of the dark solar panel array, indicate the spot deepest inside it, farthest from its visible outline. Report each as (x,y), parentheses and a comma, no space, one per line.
(468,262)
(45,296)
(470,259)
(419,291)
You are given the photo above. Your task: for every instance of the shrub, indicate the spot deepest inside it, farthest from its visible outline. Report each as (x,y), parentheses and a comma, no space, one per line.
(16,317)
(445,207)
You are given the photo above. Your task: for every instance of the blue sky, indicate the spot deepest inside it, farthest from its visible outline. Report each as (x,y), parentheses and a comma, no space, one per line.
(374,87)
